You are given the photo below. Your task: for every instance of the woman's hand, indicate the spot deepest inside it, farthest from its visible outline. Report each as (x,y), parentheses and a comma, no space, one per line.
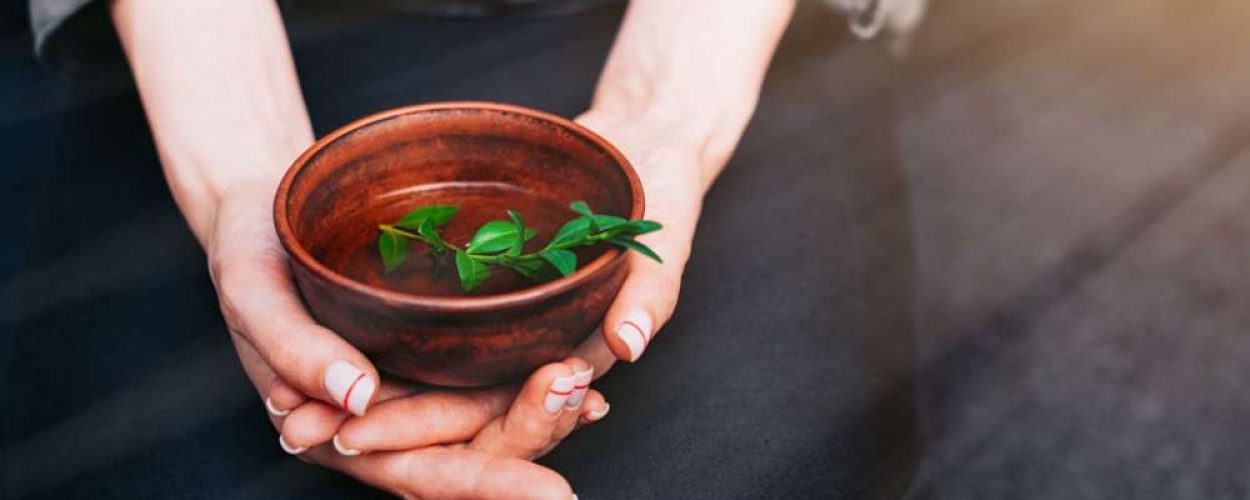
(672,179)
(414,442)
(453,444)
(263,310)
(675,96)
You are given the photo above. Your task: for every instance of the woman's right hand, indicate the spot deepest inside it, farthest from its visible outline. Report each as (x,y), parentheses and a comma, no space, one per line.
(435,444)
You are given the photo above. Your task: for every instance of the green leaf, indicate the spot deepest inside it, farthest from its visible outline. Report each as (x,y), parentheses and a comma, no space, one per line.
(526,267)
(581,207)
(393,248)
(516,247)
(530,234)
(608,222)
(637,247)
(472,273)
(440,214)
(431,235)
(572,233)
(494,236)
(563,260)
(637,227)
(516,219)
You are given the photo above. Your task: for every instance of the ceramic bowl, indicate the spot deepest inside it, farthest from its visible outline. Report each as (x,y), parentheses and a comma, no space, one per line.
(471,154)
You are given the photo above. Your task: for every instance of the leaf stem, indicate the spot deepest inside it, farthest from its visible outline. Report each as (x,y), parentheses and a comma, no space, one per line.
(392,229)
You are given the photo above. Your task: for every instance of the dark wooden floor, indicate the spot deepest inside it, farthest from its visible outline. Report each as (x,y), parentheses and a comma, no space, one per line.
(1080,183)
(1051,199)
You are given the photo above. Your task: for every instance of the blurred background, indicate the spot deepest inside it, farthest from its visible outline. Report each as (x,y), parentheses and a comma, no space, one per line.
(1015,263)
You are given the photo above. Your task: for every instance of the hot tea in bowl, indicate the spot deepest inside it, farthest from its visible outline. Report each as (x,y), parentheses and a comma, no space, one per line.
(349,213)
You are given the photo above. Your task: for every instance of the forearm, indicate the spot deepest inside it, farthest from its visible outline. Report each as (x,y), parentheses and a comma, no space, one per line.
(694,67)
(219,88)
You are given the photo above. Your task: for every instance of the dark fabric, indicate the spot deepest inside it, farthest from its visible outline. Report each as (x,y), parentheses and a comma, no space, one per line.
(72,34)
(1032,233)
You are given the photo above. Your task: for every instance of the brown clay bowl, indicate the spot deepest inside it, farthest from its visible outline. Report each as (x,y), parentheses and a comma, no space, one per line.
(483,157)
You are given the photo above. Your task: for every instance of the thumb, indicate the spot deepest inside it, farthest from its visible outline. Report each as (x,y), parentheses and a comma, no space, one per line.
(648,295)
(260,303)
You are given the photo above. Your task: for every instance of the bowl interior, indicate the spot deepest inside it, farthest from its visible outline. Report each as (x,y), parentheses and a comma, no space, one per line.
(483,159)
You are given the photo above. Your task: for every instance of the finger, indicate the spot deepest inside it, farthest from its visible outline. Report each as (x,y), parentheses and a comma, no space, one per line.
(281,398)
(422,420)
(583,373)
(647,297)
(259,300)
(526,430)
(311,424)
(595,350)
(260,374)
(594,409)
(437,473)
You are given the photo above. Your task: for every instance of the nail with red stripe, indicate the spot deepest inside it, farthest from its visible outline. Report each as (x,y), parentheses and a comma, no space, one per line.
(634,330)
(581,384)
(559,392)
(350,387)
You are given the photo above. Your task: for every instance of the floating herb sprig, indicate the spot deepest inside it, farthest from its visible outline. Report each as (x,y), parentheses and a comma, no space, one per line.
(501,242)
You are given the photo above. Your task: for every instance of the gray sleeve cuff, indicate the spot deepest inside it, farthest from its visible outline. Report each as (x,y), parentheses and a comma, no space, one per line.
(69,33)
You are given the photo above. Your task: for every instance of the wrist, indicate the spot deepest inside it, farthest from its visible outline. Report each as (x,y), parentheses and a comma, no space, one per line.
(201,185)
(708,127)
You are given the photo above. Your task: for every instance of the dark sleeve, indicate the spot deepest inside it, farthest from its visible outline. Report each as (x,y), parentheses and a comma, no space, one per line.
(71,33)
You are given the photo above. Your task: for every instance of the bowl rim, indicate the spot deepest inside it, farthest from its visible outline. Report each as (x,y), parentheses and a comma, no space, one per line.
(439,303)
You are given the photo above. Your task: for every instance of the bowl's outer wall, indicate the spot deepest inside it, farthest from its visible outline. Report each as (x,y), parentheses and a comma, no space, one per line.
(448,340)
(464,349)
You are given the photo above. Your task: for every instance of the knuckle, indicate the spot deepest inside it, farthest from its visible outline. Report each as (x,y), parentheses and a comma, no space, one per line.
(669,285)
(561,433)
(551,486)
(527,435)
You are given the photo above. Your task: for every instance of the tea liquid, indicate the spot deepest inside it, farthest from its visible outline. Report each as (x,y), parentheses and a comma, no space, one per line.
(354,250)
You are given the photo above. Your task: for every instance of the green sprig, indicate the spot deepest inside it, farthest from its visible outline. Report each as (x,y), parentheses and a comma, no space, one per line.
(501,243)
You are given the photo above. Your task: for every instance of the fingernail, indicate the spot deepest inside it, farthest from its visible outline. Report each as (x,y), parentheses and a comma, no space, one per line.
(558,393)
(350,387)
(635,331)
(343,450)
(287,448)
(581,384)
(596,416)
(273,410)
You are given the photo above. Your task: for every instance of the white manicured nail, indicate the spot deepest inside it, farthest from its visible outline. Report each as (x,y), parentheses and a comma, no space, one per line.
(350,387)
(343,450)
(581,384)
(596,416)
(558,393)
(635,331)
(287,448)
(274,411)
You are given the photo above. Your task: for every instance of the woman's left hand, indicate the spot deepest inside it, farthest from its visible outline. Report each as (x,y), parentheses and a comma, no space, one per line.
(672,174)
